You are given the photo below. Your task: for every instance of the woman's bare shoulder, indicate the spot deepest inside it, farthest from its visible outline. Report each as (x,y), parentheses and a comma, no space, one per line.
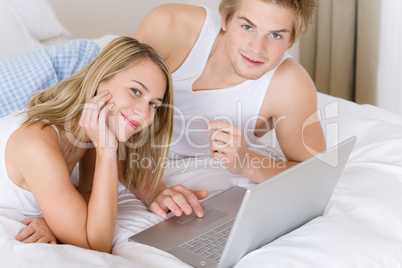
(33,139)
(32,150)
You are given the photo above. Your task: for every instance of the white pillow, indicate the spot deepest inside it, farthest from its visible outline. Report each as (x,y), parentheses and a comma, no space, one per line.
(15,37)
(39,18)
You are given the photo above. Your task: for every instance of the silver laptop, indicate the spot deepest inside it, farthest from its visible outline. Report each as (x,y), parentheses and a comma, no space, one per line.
(238,221)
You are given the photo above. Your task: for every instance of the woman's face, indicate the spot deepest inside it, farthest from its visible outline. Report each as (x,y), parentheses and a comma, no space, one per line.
(136,93)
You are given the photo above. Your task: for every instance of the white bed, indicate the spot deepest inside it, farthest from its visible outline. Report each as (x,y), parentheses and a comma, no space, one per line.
(362,225)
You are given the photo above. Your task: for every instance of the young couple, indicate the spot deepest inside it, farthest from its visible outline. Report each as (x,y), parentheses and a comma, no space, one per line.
(122,98)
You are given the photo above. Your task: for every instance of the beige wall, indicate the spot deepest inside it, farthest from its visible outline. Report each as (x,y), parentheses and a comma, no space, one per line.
(120,17)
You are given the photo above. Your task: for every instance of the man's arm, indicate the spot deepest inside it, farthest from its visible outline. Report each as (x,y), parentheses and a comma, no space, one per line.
(290,105)
(292,95)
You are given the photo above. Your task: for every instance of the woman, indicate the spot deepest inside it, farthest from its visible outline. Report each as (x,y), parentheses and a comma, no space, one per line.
(114,109)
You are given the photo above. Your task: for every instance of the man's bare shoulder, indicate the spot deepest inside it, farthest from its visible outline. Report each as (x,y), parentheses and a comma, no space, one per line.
(291,83)
(172,30)
(178,12)
(182,19)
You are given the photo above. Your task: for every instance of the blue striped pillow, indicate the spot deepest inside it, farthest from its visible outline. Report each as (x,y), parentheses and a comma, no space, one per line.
(23,75)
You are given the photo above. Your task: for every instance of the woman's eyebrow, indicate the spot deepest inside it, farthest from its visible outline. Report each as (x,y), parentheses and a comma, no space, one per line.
(141,84)
(146,89)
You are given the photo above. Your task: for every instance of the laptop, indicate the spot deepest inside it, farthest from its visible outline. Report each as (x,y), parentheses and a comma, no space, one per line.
(238,221)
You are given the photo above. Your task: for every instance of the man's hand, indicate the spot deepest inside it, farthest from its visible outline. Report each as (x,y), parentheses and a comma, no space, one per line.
(37,231)
(228,146)
(178,199)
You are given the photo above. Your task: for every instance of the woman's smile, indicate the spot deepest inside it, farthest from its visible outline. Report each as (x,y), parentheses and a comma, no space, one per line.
(132,123)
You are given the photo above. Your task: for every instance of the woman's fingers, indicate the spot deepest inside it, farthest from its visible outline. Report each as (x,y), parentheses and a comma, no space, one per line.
(100,96)
(37,231)
(107,139)
(93,106)
(178,199)
(93,120)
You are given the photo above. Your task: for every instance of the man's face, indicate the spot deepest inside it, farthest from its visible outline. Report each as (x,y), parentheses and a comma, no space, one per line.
(257,37)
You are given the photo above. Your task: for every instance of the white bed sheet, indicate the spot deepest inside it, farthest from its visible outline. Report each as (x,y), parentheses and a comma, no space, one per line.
(362,226)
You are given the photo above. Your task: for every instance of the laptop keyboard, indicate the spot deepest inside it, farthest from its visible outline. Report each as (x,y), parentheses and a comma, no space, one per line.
(210,244)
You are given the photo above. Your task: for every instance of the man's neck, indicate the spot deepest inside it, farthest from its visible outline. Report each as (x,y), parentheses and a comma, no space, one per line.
(218,72)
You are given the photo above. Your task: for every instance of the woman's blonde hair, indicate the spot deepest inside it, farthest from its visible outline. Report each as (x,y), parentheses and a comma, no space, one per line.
(62,105)
(303,10)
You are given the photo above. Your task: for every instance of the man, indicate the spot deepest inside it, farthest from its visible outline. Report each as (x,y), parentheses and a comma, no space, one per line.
(228,65)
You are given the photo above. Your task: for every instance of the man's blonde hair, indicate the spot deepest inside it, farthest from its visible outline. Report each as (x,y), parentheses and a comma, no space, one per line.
(62,105)
(303,10)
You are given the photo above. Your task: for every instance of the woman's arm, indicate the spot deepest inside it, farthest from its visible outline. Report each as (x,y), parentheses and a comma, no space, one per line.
(104,194)
(69,217)
(42,164)
(86,173)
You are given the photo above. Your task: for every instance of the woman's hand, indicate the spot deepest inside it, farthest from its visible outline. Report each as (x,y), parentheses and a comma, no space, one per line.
(37,231)
(93,121)
(178,199)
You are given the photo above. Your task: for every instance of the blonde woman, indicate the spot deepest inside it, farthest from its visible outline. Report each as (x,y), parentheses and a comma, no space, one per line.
(115,108)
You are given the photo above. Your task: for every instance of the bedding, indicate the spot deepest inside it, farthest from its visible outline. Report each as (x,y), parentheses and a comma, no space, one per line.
(24,24)
(39,18)
(361,227)
(14,35)
(50,65)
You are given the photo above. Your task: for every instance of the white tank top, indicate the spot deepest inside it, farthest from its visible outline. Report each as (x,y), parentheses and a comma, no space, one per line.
(12,196)
(239,105)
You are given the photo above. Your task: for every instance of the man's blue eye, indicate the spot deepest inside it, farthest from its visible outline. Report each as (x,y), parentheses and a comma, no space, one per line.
(247,27)
(276,36)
